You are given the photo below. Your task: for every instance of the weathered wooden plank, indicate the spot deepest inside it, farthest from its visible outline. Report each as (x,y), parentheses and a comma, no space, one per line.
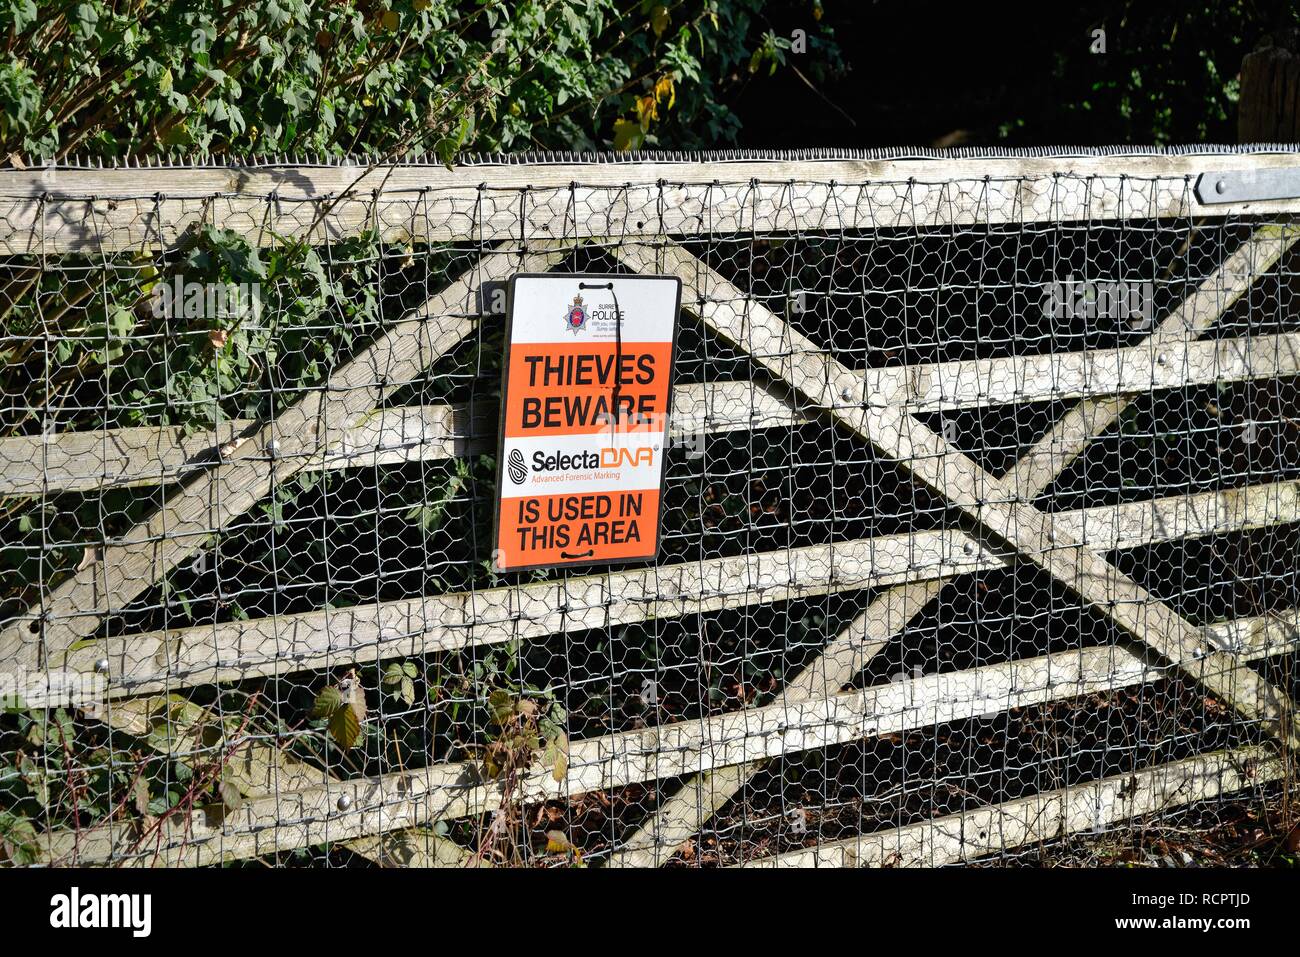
(248,470)
(157,661)
(991,502)
(1103,528)
(165,660)
(1065,376)
(135,210)
(1047,816)
(84,461)
(259,767)
(1192,516)
(372,805)
(260,647)
(114,458)
(416,847)
(119,458)
(420,847)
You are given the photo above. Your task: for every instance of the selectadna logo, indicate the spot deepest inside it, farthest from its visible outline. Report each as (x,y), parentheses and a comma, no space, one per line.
(77,910)
(516,467)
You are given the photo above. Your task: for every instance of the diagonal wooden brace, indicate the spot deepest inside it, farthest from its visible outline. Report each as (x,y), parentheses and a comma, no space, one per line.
(685,813)
(254,465)
(300,436)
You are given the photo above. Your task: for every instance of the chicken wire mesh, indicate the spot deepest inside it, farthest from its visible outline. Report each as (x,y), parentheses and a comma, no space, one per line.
(979,527)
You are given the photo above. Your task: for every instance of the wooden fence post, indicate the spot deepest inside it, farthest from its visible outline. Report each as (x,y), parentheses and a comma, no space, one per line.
(1268,110)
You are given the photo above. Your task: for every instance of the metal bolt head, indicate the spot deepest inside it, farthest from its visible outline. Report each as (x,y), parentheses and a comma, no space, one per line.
(968,548)
(344,802)
(846,394)
(273,448)
(1162,360)
(1220,186)
(101,666)
(1051,535)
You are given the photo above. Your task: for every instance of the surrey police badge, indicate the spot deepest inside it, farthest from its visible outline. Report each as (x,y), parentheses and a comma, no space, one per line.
(576,317)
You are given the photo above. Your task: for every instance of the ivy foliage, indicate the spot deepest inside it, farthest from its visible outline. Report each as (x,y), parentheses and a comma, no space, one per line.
(255,77)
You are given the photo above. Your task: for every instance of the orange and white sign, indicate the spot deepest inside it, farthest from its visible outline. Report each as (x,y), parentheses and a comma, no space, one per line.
(584,416)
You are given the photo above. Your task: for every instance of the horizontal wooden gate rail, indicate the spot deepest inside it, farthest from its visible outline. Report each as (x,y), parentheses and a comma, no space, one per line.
(46,212)
(146,662)
(529,217)
(348,809)
(1047,816)
(79,461)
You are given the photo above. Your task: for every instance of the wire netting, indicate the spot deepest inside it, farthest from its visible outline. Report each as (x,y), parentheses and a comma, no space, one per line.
(1027,586)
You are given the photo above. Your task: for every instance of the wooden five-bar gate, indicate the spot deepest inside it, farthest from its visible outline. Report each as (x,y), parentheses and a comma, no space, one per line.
(891,429)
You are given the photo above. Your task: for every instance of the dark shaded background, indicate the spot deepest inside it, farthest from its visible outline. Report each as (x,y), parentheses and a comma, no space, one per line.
(926,73)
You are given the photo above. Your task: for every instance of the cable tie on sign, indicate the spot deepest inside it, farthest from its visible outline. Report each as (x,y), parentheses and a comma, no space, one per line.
(618,363)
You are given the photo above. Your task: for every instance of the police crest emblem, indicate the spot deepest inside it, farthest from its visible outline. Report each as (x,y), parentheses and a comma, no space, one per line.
(576,315)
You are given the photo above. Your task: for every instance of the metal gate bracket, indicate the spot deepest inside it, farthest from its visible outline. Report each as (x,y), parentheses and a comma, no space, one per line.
(1245,186)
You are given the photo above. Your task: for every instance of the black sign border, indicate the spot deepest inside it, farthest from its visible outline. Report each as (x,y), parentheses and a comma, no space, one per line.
(501,418)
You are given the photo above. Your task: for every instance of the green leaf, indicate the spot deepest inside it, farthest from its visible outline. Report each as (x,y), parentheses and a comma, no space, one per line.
(501,706)
(327,703)
(229,793)
(345,727)
(36,782)
(659,19)
(18,839)
(24,13)
(36,730)
(88,17)
(557,755)
(63,729)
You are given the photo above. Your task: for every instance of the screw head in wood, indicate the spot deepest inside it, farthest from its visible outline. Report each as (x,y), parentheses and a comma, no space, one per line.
(1220,186)
(846,394)
(273,448)
(344,802)
(101,666)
